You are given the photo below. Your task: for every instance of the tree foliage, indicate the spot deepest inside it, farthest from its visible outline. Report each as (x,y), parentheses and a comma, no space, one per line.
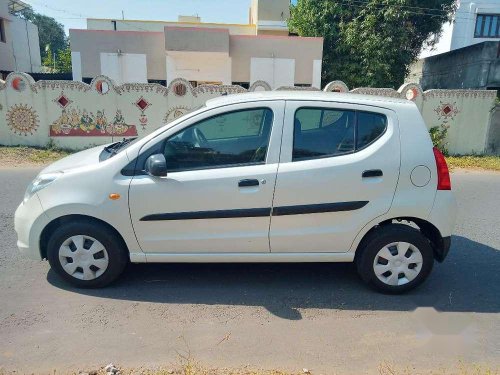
(62,62)
(50,32)
(370,42)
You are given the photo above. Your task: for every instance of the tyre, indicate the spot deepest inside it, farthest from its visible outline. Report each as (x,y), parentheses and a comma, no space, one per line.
(395,258)
(86,254)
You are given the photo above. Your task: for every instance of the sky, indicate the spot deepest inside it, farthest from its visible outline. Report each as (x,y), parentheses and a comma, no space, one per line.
(72,14)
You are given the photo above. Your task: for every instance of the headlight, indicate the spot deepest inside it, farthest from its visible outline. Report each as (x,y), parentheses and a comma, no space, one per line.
(39,183)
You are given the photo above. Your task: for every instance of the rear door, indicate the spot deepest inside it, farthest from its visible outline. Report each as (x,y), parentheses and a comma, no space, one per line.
(338,170)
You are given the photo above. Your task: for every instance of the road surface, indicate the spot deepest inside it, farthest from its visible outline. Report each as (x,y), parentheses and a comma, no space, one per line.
(271,316)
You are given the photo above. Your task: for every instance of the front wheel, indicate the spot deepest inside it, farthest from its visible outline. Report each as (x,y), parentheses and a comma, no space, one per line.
(395,258)
(86,254)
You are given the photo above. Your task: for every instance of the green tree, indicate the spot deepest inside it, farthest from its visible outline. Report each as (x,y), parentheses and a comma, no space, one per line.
(48,59)
(63,62)
(370,42)
(51,33)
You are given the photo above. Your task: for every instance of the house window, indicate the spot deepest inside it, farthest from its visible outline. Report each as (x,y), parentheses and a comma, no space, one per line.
(487,26)
(2,31)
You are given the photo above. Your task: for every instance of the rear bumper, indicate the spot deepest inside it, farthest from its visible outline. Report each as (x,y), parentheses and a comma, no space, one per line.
(441,252)
(443,217)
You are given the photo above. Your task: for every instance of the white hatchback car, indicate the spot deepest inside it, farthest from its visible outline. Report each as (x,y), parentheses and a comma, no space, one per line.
(261,177)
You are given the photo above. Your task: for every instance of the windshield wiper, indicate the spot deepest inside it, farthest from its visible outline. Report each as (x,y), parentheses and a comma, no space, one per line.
(114,147)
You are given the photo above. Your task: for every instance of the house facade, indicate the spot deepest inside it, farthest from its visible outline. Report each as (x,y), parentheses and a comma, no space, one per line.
(160,51)
(19,43)
(476,21)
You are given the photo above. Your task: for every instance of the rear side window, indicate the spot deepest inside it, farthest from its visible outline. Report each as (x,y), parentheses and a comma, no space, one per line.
(322,132)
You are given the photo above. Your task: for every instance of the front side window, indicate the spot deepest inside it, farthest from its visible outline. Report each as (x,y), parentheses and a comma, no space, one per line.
(487,26)
(229,139)
(322,132)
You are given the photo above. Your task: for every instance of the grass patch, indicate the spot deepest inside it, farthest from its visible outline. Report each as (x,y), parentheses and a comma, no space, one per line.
(14,156)
(491,163)
(22,156)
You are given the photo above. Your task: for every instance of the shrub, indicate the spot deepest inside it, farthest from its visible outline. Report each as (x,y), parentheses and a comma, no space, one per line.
(438,136)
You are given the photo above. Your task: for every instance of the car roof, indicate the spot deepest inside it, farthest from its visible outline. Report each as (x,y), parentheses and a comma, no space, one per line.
(374,100)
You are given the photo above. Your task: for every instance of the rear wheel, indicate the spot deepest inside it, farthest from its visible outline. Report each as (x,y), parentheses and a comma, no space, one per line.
(86,254)
(395,258)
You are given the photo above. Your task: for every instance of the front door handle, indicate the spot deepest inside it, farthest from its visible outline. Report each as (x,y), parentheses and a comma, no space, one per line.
(372,173)
(248,182)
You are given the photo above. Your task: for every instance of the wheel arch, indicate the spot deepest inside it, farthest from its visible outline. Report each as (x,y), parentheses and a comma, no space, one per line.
(429,230)
(55,223)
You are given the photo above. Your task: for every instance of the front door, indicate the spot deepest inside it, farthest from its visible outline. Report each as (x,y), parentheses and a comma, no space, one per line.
(217,195)
(339,169)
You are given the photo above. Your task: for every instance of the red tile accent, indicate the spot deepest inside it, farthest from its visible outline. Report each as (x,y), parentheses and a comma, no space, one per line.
(142,104)
(63,101)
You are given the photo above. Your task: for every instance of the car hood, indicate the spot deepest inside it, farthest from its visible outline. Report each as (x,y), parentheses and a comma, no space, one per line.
(76,160)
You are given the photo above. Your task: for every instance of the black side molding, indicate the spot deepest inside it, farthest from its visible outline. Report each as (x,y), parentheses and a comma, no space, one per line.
(318,208)
(217,214)
(259,212)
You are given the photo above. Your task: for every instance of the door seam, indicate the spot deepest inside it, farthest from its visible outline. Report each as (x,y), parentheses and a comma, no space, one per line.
(276,178)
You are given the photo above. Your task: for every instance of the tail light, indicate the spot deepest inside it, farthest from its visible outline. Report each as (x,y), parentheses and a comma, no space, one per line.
(444,182)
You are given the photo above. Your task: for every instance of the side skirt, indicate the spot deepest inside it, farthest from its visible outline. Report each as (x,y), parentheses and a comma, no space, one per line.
(245,258)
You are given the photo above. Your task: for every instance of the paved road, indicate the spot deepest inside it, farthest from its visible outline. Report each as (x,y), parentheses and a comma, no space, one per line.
(317,316)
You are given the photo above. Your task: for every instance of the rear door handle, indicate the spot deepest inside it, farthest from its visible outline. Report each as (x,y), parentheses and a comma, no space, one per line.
(248,182)
(372,173)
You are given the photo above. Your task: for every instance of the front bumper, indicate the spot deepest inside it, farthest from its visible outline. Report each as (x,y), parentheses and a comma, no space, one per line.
(29,221)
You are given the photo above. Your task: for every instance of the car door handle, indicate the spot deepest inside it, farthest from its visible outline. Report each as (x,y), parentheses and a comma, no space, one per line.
(372,173)
(248,182)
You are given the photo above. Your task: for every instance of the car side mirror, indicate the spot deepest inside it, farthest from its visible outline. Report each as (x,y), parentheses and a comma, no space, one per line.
(156,165)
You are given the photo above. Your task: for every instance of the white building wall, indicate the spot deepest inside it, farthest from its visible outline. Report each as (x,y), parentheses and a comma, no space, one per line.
(22,45)
(6,55)
(316,78)
(76,66)
(465,21)
(199,66)
(158,26)
(276,72)
(124,67)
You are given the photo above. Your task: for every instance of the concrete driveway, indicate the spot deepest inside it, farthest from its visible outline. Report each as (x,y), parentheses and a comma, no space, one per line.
(279,316)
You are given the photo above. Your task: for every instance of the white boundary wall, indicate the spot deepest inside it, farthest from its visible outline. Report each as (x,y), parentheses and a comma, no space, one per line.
(75,115)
